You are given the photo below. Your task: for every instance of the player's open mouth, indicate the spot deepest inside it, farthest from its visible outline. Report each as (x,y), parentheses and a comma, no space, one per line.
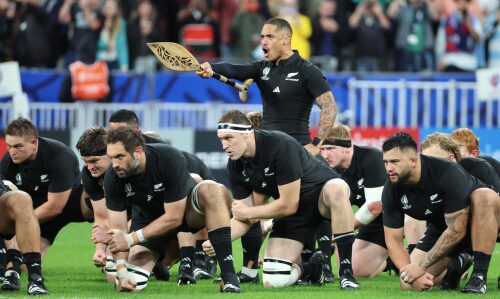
(266,52)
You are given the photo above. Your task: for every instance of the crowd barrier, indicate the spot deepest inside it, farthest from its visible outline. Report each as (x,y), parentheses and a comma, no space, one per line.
(173,100)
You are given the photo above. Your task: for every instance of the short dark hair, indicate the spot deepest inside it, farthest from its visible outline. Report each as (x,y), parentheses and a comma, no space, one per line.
(92,142)
(401,140)
(281,24)
(124,116)
(21,127)
(234,116)
(130,138)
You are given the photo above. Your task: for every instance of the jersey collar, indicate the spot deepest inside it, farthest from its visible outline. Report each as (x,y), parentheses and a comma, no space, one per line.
(295,56)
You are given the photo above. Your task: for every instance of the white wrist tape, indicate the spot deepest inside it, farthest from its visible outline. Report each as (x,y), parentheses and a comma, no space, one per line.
(363,215)
(135,238)
(121,268)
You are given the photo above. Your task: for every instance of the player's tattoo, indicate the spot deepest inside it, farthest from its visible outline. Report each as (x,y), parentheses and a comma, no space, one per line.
(328,112)
(457,227)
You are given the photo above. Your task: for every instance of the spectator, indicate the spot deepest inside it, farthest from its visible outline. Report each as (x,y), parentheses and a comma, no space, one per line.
(414,36)
(369,25)
(245,29)
(224,12)
(457,39)
(144,28)
(493,38)
(58,37)
(85,23)
(7,12)
(325,28)
(301,26)
(200,12)
(112,45)
(30,36)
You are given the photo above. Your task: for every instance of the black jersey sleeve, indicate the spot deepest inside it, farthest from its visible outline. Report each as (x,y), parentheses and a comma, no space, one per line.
(239,189)
(94,187)
(177,180)
(4,169)
(287,162)
(493,162)
(482,170)
(316,83)
(196,165)
(374,169)
(63,170)
(393,215)
(457,185)
(240,72)
(115,196)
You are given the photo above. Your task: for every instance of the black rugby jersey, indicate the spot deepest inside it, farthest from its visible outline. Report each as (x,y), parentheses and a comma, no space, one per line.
(493,162)
(288,91)
(149,139)
(95,186)
(55,169)
(279,160)
(366,171)
(166,179)
(444,187)
(482,170)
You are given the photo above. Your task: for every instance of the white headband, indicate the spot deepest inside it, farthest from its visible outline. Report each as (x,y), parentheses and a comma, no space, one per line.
(233,128)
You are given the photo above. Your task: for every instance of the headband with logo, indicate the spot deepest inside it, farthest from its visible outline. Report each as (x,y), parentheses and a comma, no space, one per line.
(234,128)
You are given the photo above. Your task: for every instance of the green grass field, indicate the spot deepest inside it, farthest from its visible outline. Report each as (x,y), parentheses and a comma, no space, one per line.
(69,273)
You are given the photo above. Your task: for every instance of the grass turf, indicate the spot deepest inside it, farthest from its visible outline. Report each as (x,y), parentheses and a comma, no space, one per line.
(69,273)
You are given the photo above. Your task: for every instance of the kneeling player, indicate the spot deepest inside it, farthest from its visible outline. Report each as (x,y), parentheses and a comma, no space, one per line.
(154,179)
(17,217)
(306,192)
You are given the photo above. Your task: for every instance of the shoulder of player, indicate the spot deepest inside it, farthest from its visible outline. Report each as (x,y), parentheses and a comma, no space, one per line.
(439,169)
(54,150)
(472,164)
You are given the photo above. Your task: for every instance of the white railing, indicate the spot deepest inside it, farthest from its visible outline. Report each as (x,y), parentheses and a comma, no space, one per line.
(370,103)
(419,104)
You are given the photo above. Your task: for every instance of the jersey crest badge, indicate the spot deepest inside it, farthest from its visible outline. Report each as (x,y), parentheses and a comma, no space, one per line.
(158,187)
(291,77)
(44,178)
(404,202)
(128,190)
(265,72)
(19,179)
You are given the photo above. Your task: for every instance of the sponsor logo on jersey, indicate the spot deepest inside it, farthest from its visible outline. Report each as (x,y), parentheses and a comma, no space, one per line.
(428,212)
(404,202)
(290,77)
(44,178)
(158,187)
(149,197)
(128,190)
(276,90)
(435,199)
(264,184)
(265,72)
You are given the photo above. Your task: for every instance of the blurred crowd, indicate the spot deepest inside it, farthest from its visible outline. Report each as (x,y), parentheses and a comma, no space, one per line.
(351,35)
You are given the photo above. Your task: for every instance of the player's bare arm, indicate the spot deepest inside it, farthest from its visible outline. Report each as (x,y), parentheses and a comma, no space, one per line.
(100,218)
(53,206)
(326,102)
(454,233)
(286,205)
(171,219)
(394,238)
